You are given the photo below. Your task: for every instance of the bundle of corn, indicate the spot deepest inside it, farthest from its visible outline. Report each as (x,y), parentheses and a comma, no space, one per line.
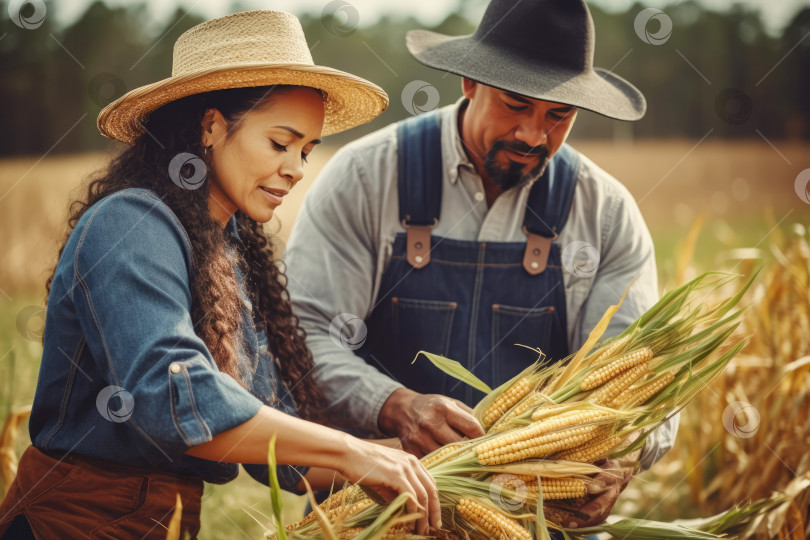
(748,437)
(547,426)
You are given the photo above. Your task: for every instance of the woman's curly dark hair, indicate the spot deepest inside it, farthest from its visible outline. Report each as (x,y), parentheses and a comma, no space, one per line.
(216,306)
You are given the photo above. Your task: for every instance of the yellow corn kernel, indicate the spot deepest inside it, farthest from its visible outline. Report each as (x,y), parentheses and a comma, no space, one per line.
(609,371)
(492,523)
(605,394)
(504,402)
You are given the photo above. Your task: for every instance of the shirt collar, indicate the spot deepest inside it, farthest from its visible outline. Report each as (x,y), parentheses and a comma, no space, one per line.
(451,141)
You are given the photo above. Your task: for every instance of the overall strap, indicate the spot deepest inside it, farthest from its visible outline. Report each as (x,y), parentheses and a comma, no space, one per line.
(419,170)
(548,207)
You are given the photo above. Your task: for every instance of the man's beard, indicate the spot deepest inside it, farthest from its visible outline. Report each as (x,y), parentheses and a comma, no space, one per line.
(512,175)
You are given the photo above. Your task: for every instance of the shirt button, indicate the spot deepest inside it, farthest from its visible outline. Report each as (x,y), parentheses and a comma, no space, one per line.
(479,196)
(176,368)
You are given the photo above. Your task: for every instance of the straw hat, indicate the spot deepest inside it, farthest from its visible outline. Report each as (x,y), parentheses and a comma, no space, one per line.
(251,48)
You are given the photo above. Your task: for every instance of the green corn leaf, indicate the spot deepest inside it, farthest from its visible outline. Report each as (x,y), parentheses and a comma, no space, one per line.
(455,370)
(275,489)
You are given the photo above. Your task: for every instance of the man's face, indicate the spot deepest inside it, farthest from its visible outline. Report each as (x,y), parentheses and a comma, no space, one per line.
(511,136)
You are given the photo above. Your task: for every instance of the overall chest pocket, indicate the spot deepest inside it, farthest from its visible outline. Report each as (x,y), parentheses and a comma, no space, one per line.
(420,325)
(430,320)
(513,326)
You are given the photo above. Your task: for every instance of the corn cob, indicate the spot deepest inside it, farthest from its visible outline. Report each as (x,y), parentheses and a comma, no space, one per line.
(610,350)
(545,412)
(491,522)
(641,395)
(532,400)
(608,372)
(351,532)
(555,515)
(345,512)
(591,452)
(565,419)
(558,488)
(605,394)
(541,446)
(338,499)
(509,397)
(531,432)
(553,488)
(440,454)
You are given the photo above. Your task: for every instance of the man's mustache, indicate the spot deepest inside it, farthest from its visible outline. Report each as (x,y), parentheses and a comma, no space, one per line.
(521,148)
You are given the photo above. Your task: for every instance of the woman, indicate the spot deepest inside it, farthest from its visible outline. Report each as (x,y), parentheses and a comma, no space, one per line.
(169,341)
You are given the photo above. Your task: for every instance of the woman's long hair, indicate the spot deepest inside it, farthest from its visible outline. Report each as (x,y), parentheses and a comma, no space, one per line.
(216,306)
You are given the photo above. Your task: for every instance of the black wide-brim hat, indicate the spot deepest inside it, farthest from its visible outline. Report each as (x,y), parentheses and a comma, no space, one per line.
(540,49)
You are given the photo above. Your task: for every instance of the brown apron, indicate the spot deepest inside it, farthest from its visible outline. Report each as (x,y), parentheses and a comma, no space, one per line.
(75,497)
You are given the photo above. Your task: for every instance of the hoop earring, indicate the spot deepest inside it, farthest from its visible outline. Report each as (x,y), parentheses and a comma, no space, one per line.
(206,149)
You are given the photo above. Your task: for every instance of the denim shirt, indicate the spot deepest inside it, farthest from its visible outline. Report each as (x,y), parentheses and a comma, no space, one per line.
(124,377)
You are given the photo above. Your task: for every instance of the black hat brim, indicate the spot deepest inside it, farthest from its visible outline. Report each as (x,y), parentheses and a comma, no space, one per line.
(596,90)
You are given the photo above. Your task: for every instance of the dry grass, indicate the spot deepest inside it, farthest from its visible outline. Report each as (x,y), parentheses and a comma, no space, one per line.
(673,181)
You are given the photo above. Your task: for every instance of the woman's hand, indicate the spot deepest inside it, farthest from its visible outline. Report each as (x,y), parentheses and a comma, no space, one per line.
(389,472)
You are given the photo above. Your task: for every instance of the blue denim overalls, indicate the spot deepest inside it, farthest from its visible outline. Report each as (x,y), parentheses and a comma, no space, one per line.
(470,301)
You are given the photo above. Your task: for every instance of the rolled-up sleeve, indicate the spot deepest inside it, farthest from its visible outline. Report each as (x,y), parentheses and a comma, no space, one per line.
(133,300)
(331,264)
(627,254)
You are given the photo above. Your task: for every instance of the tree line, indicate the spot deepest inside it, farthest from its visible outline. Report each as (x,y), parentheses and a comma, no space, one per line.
(700,69)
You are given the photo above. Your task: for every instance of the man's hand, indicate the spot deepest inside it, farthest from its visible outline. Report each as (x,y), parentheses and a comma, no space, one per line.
(603,491)
(425,422)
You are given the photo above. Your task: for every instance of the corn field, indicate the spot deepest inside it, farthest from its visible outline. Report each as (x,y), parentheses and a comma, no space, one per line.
(747,437)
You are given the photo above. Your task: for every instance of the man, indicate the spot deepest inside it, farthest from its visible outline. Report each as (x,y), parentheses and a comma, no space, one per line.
(469,230)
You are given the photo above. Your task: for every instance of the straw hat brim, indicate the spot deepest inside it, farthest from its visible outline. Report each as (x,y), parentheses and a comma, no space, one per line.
(350,100)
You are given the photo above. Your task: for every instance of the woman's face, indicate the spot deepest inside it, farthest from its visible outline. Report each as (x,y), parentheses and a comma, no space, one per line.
(263,159)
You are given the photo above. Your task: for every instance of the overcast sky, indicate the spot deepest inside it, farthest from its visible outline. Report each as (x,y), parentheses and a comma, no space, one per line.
(776,13)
